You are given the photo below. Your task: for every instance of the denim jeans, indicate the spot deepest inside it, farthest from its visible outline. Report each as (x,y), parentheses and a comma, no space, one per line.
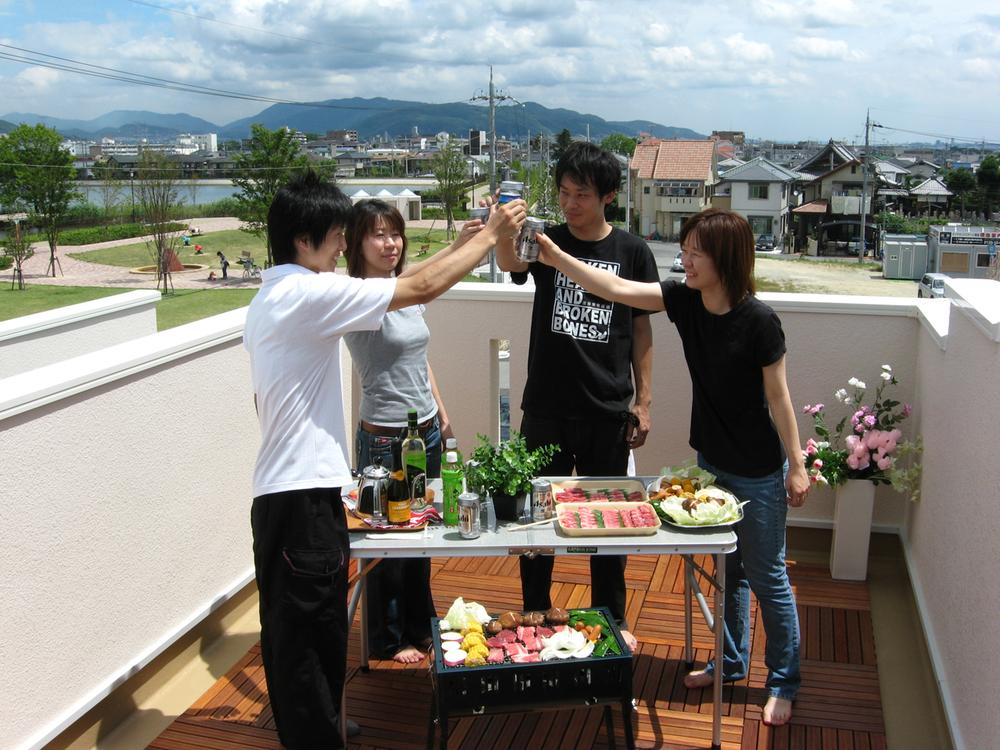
(758,565)
(400,605)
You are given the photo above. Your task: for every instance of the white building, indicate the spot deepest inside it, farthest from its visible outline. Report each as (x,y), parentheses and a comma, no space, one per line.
(761,192)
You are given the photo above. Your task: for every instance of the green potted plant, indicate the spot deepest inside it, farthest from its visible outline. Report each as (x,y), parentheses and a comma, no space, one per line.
(505,471)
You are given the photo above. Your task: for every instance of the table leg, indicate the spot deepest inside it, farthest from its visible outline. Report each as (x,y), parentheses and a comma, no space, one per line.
(609,725)
(688,653)
(627,718)
(720,625)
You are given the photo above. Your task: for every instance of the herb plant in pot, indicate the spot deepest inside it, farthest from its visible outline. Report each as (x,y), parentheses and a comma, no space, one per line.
(505,472)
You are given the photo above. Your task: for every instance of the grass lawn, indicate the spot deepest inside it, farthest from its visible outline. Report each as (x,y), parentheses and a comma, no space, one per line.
(40,297)
(188,305)
(231,242)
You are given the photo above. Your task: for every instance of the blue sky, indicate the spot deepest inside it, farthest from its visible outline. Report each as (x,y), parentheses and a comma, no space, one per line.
(772,68)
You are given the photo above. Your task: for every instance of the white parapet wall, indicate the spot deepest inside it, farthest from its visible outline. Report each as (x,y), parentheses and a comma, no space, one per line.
(43,338)
(127,480)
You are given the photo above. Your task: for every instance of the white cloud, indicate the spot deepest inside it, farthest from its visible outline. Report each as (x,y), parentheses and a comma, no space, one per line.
(748,51)
(981,68)
(674,58)
(820,48)
(656,33)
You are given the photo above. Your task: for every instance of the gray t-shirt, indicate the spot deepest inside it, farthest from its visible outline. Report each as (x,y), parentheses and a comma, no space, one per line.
(392,364)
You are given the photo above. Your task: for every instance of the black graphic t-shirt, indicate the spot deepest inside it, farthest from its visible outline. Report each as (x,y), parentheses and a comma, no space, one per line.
(726,356)
(580,353)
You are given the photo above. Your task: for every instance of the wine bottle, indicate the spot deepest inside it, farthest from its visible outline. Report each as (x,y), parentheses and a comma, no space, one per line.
(451,483)
(399,493)
(415,463)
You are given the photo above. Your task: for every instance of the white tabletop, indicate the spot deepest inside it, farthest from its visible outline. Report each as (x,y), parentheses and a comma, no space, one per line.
(444,541)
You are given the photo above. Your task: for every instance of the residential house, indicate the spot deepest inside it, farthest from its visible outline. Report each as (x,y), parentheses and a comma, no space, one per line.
(831,208)
(930,197)
(673,180)
(828,158)
(761,192)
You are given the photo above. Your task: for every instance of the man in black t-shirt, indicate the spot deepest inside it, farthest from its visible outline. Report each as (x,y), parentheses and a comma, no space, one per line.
(587,357)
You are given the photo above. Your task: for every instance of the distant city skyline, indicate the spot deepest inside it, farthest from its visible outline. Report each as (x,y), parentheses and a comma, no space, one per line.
(773,69)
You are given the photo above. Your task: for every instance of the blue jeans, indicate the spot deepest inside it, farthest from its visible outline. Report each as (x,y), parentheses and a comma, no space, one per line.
(758,565)
(400,604)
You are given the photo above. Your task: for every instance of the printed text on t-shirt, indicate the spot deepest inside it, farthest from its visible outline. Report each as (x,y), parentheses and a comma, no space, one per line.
(578,313)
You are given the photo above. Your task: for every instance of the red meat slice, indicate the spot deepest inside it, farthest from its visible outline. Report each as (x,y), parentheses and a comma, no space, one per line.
(627,520)
(515,649)
(525,630)
(543,632)
(507,636)
(532,643)
(496,656)
(525,658)
(495,642)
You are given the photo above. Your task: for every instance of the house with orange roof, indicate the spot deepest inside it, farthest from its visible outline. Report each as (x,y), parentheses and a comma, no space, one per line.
(672,180)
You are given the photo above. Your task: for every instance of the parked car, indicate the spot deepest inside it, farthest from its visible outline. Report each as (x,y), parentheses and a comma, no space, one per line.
(677,266)
(853,245)
(765,242)
(932,285)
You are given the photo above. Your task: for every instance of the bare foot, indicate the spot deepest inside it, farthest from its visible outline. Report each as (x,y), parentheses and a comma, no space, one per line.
(630,640)
(408,655)
(700,678)
(777,711)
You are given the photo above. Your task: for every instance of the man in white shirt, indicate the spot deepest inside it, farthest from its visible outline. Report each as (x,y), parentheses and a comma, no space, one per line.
(293,331)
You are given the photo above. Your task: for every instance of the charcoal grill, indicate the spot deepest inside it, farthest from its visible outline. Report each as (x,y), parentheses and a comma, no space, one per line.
(537,686)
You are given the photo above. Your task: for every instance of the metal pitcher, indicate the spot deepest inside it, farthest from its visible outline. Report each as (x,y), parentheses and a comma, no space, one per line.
(373,492)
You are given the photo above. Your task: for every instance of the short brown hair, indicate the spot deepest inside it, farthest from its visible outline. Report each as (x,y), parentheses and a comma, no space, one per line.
(365,219)
(727,239)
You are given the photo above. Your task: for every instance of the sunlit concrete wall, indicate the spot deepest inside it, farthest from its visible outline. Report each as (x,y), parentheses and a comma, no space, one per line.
(37,340)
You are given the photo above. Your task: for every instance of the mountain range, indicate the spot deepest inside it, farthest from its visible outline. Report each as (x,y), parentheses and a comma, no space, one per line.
(370,117)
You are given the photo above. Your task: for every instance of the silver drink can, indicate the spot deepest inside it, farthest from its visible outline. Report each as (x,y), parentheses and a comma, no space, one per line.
(482,213)
(542,504)
(510,191)
(527,241)
(468,515)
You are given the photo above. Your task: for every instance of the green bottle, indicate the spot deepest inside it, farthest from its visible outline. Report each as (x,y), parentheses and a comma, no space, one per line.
(451,482)
(415,463)
(451,444)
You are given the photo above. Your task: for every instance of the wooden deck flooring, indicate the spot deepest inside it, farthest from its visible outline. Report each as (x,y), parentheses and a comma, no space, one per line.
(838,707)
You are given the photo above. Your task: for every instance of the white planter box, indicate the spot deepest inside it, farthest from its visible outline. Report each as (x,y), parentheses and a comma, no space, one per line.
(852,528)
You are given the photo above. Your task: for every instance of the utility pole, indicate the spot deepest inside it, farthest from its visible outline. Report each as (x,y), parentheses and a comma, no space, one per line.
(493,97)
(864,188)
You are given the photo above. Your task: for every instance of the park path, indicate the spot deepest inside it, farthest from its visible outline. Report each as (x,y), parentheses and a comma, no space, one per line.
(76,272)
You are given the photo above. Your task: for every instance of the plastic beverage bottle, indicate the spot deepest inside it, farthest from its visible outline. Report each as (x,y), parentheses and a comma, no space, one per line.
(451,482)
(451,444)
(415,463)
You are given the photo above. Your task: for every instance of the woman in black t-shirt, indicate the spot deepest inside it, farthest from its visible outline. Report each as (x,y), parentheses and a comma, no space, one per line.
(741,418)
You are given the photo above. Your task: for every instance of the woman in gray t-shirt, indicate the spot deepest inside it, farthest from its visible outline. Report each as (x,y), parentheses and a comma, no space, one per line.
(395,376)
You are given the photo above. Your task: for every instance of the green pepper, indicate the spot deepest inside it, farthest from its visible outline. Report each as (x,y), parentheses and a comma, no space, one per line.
(613,646)
(602,648)
(599,517)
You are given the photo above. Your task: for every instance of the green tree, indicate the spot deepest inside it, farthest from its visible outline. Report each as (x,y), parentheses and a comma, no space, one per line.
(273,159)
(36,173)
(111,188)
(619,143)
(18,248)
(961,182)
(988,178)
(451,170)
(157,194)
(563,139)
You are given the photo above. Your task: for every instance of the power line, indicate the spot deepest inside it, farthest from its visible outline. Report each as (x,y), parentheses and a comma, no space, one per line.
(69,65)
(941,136)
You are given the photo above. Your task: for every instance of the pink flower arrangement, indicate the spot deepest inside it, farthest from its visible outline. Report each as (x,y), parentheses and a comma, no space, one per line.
(869,449)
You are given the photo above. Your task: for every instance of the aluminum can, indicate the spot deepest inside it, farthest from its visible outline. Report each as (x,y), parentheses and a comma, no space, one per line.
(527,242)
(542,504)
(468,515)
(481,212)
(510,191)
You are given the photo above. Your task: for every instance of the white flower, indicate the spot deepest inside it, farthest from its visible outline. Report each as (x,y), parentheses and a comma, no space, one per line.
(860,385)
(886,368)
(854,382)
(840,395)
(848,400)
(886,375)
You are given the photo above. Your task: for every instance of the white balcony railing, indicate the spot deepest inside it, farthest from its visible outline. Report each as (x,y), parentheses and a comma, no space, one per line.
(126,515)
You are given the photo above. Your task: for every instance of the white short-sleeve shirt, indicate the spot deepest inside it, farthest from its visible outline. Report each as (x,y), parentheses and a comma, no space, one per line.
(293,332)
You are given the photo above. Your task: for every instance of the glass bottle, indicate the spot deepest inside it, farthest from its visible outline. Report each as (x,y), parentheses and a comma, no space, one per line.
(399,493)
(415,463)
